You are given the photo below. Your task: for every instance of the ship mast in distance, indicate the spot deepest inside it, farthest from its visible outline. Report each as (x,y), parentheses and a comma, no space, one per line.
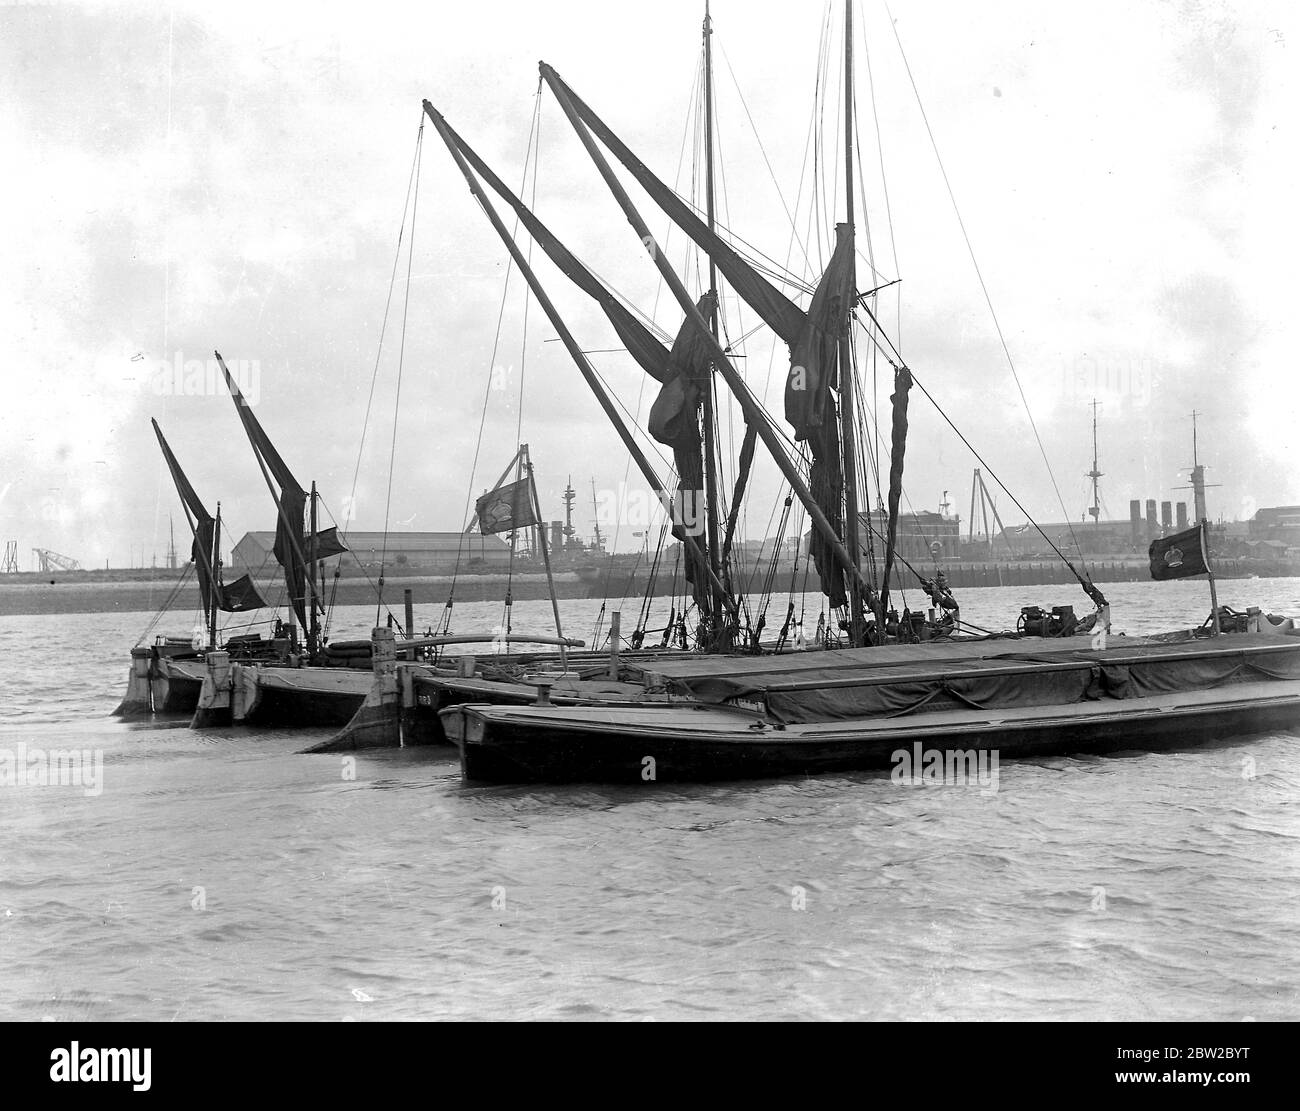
(1094,510)
(569,495)
(595,509)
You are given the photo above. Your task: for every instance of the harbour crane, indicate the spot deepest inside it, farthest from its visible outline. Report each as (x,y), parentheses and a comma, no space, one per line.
(47,560)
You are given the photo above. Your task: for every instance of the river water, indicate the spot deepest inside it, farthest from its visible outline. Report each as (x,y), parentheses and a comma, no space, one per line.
(218,875)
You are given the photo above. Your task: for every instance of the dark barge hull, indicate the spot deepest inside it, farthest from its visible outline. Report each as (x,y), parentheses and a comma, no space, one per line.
(533,745)
(175,684)
(286,709)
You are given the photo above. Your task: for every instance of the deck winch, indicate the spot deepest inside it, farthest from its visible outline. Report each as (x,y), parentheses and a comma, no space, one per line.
(1037,622)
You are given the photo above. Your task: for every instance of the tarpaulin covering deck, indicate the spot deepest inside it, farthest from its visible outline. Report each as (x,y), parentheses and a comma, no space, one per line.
(894,680)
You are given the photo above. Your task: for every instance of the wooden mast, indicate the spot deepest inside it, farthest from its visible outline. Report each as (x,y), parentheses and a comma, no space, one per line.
(536,507)
(848,424)
(270,485)
(214,570)
(710,458)
(313,627)
(1202,516)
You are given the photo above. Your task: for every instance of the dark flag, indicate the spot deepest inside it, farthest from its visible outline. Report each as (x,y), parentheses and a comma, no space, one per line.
(1179,556)
(240,595)
(505,509)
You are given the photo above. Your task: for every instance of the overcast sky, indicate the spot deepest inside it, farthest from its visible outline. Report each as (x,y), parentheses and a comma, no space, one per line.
(189,177)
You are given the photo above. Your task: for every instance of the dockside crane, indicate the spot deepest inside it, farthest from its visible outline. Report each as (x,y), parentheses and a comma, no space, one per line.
(47,561)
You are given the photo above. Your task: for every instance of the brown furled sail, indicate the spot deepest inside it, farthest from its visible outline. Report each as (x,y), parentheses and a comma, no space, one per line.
(290,541)
(781,314)
(240,595)
(898,445)
(675,421)
(810,401)
(812,336)
(682,372)
(641,343)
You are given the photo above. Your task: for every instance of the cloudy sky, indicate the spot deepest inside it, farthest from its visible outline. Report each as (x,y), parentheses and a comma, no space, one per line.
(193,177)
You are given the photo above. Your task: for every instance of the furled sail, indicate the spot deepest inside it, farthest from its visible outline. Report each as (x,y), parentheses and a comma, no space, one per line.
(810,401)
(812,335)
(781,314)
(290,543)
(682,371)
(898,445)
(233,598)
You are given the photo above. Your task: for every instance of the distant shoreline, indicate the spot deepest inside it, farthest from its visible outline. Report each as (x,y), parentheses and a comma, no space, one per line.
(32,594)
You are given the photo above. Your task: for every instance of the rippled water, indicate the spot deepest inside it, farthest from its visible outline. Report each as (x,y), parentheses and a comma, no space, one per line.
(220,876)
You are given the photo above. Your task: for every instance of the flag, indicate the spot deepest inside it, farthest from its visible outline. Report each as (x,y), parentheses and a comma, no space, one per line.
(506,508)
(1179,556)
(240,595)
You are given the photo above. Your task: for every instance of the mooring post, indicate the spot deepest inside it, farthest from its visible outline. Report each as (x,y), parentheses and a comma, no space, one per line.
(615,638)
(406,686)
(137,685)
(378,723)
(214,697)
(245,691)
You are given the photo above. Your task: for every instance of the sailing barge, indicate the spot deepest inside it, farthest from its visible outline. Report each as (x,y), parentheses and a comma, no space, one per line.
(838,711)
(717,717)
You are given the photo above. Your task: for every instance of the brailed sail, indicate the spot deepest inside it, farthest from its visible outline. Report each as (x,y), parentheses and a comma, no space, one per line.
(290,542)
(781,314)
(236,597)
(682,371)
(898,445)
(812,335)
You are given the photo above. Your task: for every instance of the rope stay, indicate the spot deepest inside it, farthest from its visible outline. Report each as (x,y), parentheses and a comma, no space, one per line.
(988,300)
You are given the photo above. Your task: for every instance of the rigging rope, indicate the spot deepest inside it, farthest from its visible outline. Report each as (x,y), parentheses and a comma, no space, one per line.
(401,358)
(383,327)
(445,623)
(988,300)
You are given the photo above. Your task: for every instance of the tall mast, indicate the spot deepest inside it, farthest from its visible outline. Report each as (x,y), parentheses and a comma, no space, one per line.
(1094,474)
(848,425)
(754,414)
(1203,519)
(595,520)
(215,570)
(313,628)
(569,495)
(281,512)
(710,458)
